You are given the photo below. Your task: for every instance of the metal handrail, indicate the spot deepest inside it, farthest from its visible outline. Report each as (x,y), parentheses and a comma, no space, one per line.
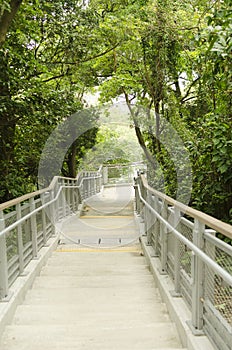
(43,206)
(208,220)
(185,242)
(33,225)
(205,258)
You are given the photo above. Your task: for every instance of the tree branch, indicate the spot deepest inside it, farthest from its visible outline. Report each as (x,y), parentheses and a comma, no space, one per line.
(188,99)
(57,77)
(189,90)
(87,59)
(139,133)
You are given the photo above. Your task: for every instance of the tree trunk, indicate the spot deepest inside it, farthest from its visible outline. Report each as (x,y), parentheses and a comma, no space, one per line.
(72,171)
(139,134)
(7,130)
(7,18)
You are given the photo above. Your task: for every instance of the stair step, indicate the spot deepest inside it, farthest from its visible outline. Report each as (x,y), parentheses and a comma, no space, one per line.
(118,314)
(81,258)
(154,336)
(70,270)
(97,295)
(94,299)
(145,281)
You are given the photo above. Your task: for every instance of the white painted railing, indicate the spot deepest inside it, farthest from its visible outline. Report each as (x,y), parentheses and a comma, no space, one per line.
(200,264)
(27,222)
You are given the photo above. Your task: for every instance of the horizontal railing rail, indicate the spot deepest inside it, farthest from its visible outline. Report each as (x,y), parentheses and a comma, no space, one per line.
(28,222)
(199,263)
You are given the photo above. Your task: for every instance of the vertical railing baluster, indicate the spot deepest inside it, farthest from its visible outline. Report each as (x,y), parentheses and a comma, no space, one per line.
(198,274)
(73,197)
(141,210)
(209,276)
(156,227)
(85,188)
(88,187)
(148,220)
(177,253)
(77,196)
(20,239)
(63,198)
(164,239)
(105,175)
(33,228)
(137,205)
(44,221)
(54,211)
(68,197)
(4,286)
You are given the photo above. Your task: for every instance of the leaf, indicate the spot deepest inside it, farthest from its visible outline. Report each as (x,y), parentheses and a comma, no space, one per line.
(223,168)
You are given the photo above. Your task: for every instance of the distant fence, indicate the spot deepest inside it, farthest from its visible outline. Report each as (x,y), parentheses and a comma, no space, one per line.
(200,265)
(27,222)
(122,173)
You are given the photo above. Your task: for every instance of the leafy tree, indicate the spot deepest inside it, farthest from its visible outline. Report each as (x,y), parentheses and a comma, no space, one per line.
(173,59)
(42,81)
(168,60)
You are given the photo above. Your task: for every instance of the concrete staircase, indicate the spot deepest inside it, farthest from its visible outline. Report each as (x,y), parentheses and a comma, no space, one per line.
(91,300)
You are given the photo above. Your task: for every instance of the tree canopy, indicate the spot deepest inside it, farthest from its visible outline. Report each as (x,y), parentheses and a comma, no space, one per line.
(170,58)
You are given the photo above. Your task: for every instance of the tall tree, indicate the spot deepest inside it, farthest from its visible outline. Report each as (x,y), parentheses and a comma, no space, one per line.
(8,13)
(43,76)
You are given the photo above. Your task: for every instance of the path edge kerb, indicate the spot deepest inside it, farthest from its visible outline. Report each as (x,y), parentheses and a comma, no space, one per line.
(23,283)
(177,308)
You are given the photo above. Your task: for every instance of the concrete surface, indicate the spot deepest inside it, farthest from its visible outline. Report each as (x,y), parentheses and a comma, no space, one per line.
(176,307)
(95,297)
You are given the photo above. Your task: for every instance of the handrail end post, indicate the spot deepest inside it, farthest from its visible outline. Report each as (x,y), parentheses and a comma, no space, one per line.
(4,285)
(197,277)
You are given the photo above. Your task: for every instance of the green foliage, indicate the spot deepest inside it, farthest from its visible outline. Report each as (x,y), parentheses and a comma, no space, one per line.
(176,62)
(212,160)
(171,58)
(43,76)
(115,144)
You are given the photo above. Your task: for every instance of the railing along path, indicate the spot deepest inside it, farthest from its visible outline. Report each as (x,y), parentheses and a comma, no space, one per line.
(190,252)
(183,239)
(27,222)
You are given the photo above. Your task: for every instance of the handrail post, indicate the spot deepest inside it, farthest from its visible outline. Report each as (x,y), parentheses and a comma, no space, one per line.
(137,206)
(177,253)
(63,201)
(198,277)
(93,185)
(105,175)
(33,229)
(148,220)
(4,285)
(78,197)
(89,186)
(164,239)
(54,212)
(73,198)
(157,225)
(44,221)
(210,281)
(20,238)
(141,205)
(68,197)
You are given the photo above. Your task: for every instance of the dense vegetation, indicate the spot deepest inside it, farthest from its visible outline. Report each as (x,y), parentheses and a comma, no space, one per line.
(173,58)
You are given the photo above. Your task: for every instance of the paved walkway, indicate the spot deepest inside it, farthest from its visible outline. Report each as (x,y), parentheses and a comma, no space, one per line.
(92,296)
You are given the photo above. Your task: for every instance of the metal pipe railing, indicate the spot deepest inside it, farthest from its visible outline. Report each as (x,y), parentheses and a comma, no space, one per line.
(211,263)
(23,242)
(199,263)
